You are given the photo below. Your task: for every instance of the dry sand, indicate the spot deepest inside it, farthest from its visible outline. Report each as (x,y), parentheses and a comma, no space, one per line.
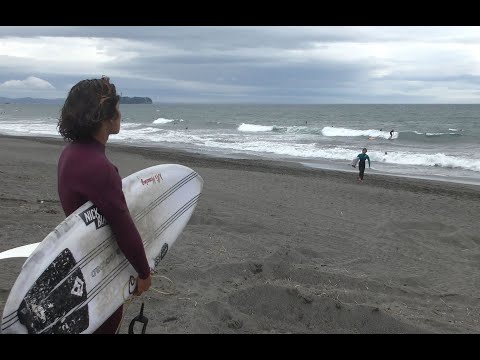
(278,248)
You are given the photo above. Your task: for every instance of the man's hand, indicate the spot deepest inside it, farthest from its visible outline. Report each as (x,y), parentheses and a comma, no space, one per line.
(143,285)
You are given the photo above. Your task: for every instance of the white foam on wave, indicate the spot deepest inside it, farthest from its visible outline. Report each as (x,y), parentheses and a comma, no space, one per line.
(253,143)
(255,128)
(297,129)
(139,135)
(439,160)
(335,131)
(30,128)
(165,121)
(433,134)
(130,125)
(335,153)
(156,135)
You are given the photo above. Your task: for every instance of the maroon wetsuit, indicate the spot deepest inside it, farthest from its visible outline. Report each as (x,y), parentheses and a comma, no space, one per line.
(85,173)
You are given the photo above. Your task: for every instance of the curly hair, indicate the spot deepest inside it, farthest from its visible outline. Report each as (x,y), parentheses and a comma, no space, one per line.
(88,104)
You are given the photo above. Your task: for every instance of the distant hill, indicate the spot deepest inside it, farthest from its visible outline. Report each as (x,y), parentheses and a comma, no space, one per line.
(135,100)
(29,100)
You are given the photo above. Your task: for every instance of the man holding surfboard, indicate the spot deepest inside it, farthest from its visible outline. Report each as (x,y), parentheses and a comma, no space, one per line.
(361,163)
(88,117)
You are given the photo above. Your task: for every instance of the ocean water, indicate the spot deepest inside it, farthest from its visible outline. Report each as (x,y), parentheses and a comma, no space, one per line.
(430,141)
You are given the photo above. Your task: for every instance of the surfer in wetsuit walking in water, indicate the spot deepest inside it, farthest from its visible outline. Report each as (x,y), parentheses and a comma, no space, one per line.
(89,116)
(361,164)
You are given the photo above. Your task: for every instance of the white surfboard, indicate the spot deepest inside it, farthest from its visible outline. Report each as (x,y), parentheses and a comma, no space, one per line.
(21,251)
(77,276)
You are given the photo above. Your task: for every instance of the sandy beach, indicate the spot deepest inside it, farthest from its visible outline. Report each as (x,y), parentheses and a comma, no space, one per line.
(279,248)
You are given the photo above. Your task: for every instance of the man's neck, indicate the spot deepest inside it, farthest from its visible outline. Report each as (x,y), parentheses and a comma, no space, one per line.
(102,135)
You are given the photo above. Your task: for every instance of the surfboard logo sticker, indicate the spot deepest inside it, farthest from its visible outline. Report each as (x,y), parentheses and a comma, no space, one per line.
(93,215)
(152,179)
(163,252)
(132,284)
(78,287)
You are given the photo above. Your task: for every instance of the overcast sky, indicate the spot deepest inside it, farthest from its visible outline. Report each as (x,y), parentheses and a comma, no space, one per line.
(247,64)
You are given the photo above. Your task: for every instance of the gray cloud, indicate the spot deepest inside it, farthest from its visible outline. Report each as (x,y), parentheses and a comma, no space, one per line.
(248,64)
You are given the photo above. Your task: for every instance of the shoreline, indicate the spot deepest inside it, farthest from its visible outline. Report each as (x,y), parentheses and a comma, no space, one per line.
(269,165)
(275,247)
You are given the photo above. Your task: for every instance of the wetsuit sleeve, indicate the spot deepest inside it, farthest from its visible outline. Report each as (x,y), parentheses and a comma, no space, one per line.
(110,200)
(368,158)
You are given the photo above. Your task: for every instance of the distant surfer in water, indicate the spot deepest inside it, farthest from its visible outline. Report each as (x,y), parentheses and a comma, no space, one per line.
(89,116)
(361,164)
(391,134)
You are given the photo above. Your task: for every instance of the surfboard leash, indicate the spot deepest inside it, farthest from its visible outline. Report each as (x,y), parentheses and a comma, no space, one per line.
(164,277)
(139,318)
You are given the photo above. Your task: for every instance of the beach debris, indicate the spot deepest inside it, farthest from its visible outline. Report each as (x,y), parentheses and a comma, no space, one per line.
(446,303)
(170,318)
(256,268)
(234,324)
(187,298)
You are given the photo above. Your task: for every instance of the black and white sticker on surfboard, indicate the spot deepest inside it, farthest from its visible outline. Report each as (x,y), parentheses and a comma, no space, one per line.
(93,215)
(53,296)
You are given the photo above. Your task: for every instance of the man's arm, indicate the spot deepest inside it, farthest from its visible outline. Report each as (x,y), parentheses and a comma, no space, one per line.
(110,200)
